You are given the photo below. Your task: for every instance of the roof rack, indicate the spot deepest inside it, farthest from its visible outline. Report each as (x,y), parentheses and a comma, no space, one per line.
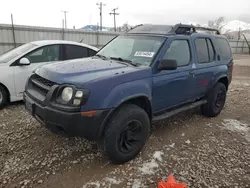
(183,29)
(189,29)
(208,29)
(136,26)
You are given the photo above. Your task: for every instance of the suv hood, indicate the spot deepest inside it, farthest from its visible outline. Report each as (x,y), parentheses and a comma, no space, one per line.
(80,71)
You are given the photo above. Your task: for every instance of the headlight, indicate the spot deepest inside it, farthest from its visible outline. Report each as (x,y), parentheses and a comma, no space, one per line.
(79,94)
(67,94)
(72,96)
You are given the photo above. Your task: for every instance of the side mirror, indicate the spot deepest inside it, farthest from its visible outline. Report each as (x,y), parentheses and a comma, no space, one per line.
(167,64)
(24,61)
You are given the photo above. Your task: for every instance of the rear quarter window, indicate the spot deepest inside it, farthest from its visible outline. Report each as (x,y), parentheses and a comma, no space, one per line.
(224,48)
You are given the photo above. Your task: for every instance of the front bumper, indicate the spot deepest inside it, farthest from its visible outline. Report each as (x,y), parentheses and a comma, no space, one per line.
(71,123)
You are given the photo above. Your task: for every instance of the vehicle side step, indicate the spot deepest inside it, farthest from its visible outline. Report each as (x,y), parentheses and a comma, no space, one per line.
(178,110)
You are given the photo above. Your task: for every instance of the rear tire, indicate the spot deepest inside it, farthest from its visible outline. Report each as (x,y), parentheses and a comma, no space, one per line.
(3,97)
(126,133)
(216,99)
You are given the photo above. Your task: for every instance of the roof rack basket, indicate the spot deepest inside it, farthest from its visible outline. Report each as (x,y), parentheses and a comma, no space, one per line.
(189,29)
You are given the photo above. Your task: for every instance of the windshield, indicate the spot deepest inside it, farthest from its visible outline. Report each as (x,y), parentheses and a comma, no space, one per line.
(137,49)
(15,52)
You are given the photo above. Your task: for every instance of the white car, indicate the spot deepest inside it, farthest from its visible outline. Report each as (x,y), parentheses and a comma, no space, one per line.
(18,64)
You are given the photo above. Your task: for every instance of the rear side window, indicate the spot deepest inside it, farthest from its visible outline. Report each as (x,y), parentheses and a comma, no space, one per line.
(74,52)
(224,48)
(205,50)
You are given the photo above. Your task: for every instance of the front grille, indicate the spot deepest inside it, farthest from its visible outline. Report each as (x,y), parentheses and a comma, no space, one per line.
(40,84)
(39,89)
(42,80)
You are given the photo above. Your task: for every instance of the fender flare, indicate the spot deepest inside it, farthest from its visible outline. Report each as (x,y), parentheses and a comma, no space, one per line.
(223,76)
(216,80)
(112,111)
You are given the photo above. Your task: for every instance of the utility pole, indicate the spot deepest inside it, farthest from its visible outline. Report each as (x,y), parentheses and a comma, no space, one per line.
(13,30)
(65,18)
(63,29)
(114,13)
(239,34)
(100,7)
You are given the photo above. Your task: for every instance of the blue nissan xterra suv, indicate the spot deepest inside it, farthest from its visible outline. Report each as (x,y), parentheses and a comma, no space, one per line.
(145,75)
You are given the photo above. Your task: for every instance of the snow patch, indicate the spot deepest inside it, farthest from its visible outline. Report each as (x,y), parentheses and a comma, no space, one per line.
(241,83)
(157,155)
(96,184)
(149,167)
(187,142)
(182,134)
(237,126)
(113,181)
(172,145)
(137,184)
(106,182)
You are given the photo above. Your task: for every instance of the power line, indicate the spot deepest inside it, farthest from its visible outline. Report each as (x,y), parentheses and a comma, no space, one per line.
(114,13)
(65,18)
(100,7)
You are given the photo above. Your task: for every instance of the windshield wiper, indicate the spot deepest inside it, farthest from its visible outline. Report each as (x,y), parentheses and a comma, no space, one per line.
(124,60)
(101,56)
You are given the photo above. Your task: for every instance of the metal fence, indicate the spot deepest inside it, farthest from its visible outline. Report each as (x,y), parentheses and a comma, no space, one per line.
(12,36)
(239,46)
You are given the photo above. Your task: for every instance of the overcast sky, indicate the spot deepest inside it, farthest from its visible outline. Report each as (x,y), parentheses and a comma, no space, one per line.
(84,12)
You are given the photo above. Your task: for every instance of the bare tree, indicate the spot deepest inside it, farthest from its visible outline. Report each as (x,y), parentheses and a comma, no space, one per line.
(219,23)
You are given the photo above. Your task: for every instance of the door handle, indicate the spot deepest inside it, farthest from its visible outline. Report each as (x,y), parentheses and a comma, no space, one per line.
(218,57)
(191,72)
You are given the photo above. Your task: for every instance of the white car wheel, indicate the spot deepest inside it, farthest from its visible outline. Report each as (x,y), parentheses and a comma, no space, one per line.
(3,97)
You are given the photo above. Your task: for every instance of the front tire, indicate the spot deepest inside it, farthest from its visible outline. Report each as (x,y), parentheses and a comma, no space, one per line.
(3,97)
(216,99)
(126,133)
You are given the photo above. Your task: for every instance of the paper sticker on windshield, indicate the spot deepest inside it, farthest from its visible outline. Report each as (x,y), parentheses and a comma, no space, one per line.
(144,54)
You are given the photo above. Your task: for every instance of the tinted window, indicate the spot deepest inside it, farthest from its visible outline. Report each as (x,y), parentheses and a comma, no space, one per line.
(74,52)
(44,54)
(210,50)
(179,51)
(202,50)
(224,48)
(91,52)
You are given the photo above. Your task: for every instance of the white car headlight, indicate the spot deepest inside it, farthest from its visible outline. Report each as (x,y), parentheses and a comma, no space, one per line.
(67,94)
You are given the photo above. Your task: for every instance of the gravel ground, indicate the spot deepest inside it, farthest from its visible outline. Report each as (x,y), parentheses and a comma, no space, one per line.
(199,151)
